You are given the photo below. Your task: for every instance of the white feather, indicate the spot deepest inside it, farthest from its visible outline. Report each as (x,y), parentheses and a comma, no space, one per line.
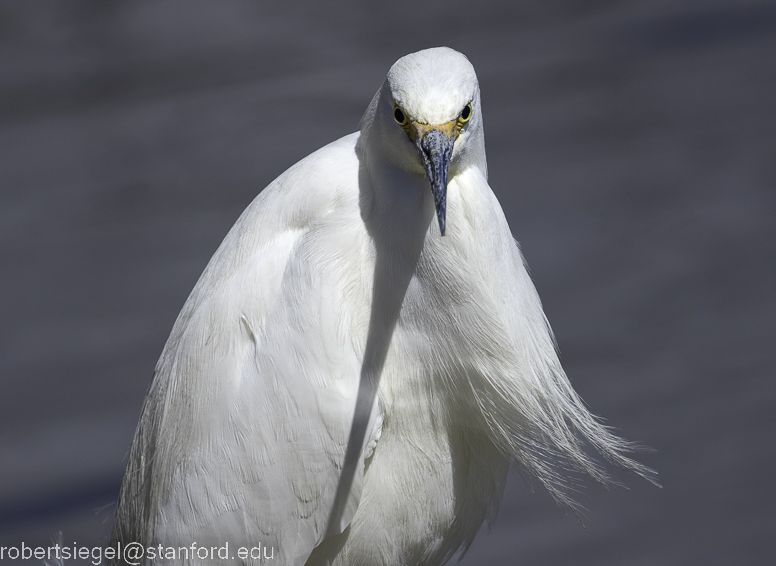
(346,385)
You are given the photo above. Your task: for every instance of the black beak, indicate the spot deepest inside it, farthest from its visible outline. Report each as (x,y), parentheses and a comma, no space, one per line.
(435,149)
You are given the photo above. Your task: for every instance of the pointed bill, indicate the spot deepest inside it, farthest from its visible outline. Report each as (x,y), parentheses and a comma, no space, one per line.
(435,146)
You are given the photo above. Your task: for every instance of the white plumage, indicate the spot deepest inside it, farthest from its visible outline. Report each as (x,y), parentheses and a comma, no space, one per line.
(346,384)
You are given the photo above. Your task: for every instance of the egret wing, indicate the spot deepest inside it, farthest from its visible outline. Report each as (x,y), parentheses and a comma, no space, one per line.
(245,428)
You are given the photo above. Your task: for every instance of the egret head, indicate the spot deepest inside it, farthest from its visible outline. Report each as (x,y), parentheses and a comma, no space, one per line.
(428,117)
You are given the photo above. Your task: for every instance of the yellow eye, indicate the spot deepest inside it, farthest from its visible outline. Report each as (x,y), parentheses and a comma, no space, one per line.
(400,117)
(465,115)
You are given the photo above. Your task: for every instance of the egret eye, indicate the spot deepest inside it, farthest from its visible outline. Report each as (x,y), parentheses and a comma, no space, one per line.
(399,116)
(466,114)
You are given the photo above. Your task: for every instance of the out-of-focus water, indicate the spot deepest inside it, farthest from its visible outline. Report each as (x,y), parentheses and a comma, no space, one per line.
(631,144)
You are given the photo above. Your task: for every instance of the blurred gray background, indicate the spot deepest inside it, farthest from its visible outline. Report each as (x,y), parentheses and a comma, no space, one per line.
(631,143)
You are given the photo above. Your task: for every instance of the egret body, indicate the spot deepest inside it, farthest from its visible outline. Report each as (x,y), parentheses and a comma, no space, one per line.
(363,358)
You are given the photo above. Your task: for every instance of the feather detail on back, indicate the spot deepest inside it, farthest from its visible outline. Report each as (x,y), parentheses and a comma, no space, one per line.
(256,339)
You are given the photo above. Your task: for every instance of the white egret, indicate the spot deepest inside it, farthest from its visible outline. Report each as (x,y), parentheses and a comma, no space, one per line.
(363,358)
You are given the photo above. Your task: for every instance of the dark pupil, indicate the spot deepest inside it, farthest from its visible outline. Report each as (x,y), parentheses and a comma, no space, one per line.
(399,115)
(466,112)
